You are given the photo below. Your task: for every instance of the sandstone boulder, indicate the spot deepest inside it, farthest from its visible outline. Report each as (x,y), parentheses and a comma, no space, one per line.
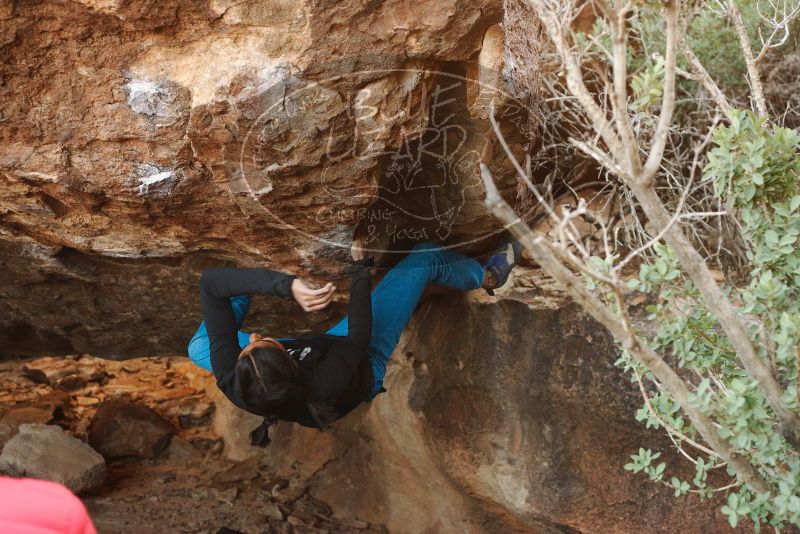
(7,431)
(511,419)
(120,428)
(47,452)
(154,141)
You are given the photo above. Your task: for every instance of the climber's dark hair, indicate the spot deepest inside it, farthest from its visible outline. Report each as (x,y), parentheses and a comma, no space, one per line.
(267,378)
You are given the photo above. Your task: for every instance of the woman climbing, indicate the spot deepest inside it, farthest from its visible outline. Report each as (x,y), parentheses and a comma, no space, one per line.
(316,379)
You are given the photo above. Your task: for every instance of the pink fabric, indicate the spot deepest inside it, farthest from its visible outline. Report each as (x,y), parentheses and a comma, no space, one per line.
(29,506)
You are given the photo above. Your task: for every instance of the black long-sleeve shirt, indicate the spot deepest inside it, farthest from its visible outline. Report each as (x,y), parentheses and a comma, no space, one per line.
(336,369)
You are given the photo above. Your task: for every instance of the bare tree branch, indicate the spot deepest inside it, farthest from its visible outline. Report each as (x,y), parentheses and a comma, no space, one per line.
(780,24)
(670,429)
(542,253)
(671,11)
(557,33)
(705,78)
(619,36)
(753,75)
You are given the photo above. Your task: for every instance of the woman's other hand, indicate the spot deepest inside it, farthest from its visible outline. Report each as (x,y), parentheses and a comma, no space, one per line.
(312,299)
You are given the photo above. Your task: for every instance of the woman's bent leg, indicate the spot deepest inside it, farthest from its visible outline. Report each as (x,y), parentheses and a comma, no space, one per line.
(397,295)
(445,267)
(199,349)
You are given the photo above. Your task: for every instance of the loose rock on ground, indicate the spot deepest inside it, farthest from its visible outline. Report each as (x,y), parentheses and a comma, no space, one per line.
(47,452)
(121,428)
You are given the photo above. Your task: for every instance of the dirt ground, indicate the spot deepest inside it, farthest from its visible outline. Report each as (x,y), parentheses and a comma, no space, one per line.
(190,487)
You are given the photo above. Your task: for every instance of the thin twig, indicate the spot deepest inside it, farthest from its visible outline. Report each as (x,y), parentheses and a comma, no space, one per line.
(753,75)
(667,427)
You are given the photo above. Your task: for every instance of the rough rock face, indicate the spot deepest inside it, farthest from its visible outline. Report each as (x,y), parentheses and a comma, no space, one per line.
(60,300)
(141,141)
(47,452)
(547,410)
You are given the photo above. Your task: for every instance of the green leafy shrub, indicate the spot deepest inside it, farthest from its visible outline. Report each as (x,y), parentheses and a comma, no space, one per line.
(755,169)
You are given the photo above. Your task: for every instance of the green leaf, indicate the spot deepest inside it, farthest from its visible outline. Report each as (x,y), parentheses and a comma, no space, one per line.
(771,237)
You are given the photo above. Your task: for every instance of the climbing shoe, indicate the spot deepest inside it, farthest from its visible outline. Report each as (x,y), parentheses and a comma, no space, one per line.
(501,262)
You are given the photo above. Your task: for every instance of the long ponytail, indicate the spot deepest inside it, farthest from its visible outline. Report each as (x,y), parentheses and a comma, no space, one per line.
(259,436)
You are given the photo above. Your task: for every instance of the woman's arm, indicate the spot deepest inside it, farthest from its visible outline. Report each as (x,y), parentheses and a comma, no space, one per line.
(226,283)
(336,374)
(359,330)
(216,287)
